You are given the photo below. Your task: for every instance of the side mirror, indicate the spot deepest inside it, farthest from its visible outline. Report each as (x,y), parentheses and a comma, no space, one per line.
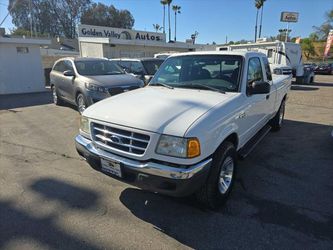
(259,87)
(69,73)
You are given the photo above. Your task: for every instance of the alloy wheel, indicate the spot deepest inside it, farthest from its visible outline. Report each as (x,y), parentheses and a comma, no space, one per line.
(226,175)
(80,103)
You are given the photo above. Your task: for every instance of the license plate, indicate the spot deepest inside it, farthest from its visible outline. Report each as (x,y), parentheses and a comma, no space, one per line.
(112,167)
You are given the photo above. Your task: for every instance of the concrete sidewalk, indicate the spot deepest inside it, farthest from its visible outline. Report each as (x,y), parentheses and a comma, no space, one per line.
(12,101)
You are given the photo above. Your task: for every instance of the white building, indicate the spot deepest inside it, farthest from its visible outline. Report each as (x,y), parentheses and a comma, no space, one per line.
(21,68)
(98,41)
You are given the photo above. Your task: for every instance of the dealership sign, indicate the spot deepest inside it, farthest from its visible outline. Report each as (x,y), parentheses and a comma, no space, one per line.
(117,33)
(290,17)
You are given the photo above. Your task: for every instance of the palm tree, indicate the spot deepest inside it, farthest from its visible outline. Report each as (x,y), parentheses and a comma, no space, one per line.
(163,2)
(176,9)
(262,12)
(157,27)
(257,4)
(168,2)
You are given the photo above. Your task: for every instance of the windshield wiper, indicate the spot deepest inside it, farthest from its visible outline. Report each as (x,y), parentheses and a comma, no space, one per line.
(161,84)
(206,86)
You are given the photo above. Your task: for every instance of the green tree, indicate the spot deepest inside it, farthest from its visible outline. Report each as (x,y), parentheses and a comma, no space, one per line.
(164,3)
(314,37)
(103,15)
(157,27)
(323,30)
(53,17)
(168,2)
(308,48)
(24,32)
(261,16)
(257,4)
(176,9)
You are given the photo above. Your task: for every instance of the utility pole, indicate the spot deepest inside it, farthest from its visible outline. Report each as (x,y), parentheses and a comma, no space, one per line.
(30,9)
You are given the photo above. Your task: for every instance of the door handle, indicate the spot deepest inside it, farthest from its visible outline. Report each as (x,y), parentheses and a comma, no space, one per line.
(267,97)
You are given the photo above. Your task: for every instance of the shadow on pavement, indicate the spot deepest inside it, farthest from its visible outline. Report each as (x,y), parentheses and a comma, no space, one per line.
(44,231)
(321,84)
(272,198)
(25,100)
(304,88)
(67,194)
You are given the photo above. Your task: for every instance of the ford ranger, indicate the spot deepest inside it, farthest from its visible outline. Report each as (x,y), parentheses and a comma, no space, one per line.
(183,133)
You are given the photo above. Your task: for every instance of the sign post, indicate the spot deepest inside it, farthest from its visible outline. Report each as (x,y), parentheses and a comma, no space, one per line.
(289,17)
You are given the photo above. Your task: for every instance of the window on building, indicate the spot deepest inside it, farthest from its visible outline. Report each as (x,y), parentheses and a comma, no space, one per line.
(22,50)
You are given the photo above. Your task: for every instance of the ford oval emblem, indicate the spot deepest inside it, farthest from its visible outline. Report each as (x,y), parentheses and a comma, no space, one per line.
(116,139)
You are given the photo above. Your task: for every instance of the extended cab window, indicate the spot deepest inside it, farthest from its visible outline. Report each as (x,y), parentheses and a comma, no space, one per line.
(254,72)
(267,68)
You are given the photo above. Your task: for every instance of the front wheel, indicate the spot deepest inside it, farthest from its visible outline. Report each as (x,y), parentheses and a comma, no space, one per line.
(221,178)
(81,103)
(276,122)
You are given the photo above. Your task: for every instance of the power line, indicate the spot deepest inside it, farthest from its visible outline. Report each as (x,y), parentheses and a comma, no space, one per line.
(8,12)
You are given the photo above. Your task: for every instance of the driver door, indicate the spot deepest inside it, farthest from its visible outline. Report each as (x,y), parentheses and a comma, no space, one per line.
(256,104)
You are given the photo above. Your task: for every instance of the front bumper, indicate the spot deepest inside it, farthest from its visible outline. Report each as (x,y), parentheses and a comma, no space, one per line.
(153,176)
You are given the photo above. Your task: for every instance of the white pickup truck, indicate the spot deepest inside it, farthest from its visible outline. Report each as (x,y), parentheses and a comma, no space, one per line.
(183,133)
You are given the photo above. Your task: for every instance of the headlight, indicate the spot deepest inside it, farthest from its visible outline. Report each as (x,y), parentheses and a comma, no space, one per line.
(178,146)
(278,72)
(94,87)
(84,125)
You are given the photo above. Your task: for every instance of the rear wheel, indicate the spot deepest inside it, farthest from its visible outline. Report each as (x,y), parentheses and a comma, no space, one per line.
(311,79)
(81,103)
(221,178)
(276,122)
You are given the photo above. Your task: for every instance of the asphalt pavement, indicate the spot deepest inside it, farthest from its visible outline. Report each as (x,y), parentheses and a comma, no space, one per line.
(51,199)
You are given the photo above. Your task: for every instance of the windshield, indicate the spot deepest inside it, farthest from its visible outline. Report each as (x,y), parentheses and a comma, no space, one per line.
(152,66)
(98,67)
(221,72)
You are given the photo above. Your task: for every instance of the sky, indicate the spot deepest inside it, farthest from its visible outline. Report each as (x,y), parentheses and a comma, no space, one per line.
(216,19)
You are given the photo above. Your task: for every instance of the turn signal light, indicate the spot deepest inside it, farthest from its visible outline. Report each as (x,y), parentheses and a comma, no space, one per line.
(193,148)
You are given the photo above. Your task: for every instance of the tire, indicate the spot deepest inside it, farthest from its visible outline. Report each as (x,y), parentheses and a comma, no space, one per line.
(311,79)
(277,121)
(55,97)
(81,103)
(220,181)
(299,79)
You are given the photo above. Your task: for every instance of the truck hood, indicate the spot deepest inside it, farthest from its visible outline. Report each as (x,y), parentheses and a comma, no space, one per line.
(114,80)
(157,109)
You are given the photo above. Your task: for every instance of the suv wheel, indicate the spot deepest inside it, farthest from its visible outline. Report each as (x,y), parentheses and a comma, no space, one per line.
(81,103)
(55,97)
(221,178)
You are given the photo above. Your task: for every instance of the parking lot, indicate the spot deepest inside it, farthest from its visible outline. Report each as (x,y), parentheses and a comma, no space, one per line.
(51,199)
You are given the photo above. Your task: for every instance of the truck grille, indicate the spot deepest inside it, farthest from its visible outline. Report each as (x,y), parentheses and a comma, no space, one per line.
(120,139)
(119,90)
